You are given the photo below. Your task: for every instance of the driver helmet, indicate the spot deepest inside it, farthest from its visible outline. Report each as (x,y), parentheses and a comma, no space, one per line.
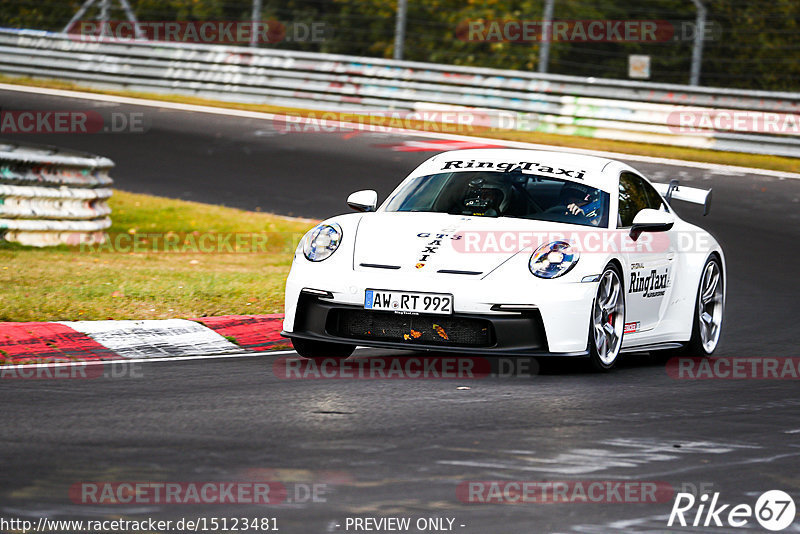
(487,198)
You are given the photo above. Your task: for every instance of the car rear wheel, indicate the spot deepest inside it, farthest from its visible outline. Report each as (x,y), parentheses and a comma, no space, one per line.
(707,316)
(607,321)
(322,349)
(708,311)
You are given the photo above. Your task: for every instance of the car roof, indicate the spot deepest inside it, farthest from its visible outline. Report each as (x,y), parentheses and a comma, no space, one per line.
(591,170)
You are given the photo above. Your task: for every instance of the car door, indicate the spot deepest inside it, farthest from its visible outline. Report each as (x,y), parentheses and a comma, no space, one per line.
(650,268)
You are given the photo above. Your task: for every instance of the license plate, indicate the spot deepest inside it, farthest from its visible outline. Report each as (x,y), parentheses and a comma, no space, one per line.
(408,302)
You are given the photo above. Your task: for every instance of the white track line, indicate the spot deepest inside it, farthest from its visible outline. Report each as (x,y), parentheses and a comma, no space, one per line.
(399,131)
(142,360)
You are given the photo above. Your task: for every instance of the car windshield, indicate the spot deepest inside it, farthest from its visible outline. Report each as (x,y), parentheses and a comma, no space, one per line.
(504,194)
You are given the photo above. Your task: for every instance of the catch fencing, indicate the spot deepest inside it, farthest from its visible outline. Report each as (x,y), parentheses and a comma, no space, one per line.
(755,122)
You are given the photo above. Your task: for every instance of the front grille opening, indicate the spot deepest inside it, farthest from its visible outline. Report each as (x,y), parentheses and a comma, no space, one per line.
(411,329)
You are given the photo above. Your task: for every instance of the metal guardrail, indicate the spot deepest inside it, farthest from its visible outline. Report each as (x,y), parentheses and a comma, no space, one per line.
(600,108)
(49,196)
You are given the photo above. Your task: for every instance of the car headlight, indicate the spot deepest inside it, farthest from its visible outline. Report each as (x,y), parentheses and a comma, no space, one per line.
(553,259)
(322,241)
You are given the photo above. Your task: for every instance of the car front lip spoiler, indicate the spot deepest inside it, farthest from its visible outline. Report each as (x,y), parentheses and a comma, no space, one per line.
(480,351)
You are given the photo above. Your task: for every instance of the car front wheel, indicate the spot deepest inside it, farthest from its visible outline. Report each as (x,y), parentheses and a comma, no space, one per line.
(607,321)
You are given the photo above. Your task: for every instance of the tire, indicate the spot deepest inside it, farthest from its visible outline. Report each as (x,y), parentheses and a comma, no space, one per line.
(708,312)
(322,349)
(701,343)
(607,320)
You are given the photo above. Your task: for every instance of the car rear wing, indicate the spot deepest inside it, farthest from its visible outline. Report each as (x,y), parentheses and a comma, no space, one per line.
(688,194)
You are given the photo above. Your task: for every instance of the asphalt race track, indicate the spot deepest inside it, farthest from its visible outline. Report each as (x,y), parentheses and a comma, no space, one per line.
(400,448)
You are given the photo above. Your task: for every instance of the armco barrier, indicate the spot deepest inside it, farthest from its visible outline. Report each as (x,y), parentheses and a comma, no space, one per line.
(49,196)
(765,122)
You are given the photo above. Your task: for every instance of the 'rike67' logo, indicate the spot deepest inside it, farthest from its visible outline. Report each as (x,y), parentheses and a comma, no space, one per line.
(774,510)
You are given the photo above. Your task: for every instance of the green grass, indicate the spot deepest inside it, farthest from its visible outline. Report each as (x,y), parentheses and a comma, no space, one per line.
(147,282)
(758,161)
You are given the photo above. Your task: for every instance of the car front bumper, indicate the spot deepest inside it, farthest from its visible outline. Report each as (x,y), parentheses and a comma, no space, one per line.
(519,334)
(555,323)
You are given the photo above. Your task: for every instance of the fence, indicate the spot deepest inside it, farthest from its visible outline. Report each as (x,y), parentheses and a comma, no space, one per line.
(48,196)
(710,118)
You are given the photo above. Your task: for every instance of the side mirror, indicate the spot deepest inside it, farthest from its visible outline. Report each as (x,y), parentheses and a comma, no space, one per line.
(365,200)
(650,220)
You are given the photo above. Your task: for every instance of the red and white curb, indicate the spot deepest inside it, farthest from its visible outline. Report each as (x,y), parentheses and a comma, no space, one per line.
(120,340)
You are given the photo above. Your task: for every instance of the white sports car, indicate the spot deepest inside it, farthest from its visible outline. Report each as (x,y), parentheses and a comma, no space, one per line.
(511,252)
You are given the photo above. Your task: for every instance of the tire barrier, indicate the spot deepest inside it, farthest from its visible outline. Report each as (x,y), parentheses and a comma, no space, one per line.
(50,196)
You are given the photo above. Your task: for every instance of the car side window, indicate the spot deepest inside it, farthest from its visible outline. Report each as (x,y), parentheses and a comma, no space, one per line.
(633,198)
(653,198)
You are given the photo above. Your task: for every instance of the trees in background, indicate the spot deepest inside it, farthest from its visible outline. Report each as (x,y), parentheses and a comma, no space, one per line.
(752,45)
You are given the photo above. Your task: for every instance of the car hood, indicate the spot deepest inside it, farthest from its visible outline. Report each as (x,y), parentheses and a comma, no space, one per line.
(438,243)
